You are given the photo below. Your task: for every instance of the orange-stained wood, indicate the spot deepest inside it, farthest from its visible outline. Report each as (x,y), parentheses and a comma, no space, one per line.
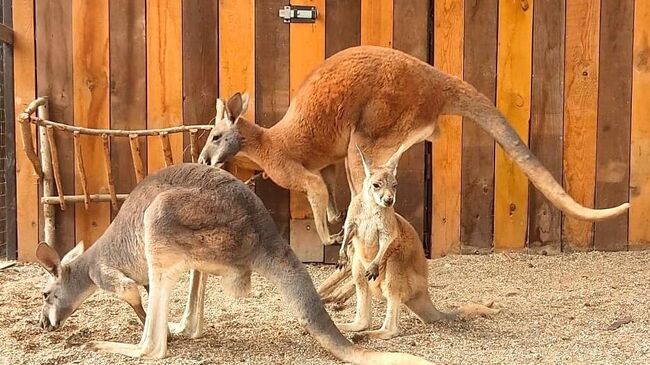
(91,105)
(27,206)
(513,100)
(580,115)
(639,166)
(164,78)
(448,57)
(237,57)
(301,38)
(377,22)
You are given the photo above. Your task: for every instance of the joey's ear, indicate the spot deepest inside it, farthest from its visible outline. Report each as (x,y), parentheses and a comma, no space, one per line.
(364,162)
(244,98)
(394,159)
(236,106)
(48,258)
(73,254)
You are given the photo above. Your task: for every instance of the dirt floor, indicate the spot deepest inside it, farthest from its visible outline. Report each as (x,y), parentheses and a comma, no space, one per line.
(589,308)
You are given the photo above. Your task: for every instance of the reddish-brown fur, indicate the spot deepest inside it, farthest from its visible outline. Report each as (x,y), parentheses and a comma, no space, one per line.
(378,99)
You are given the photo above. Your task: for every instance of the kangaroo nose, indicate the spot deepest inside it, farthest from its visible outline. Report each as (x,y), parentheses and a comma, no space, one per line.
(389,201)
(204,160)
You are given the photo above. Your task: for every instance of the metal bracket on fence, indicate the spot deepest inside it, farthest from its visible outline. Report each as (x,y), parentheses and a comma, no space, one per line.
(298,14)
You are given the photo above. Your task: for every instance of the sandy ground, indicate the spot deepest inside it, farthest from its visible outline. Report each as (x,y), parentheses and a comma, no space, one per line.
(589,308)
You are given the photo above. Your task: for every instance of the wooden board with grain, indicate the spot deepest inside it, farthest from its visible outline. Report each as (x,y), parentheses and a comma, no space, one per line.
(639,236)
(54,75)
(411,37)
(128,86)
(580,106)
(480,68)
(305,36)
(614,113)
(377,22)
(342,30)
(200,66)
(447,148)
(164,78)
(91,106)
(237,57)
(272,95)
(544,220)
(513,100)
(27,205)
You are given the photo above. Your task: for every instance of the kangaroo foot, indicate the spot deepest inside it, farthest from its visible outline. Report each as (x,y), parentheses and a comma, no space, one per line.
(382,334)
(335,239)
(132,350)
(353,327)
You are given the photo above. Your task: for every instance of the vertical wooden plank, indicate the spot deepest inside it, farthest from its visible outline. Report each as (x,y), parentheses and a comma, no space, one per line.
(91,103)
(312,37)
(200,64)
(342,30)
(513,99)
(410,34)
(10,139)
(128,85)
(377,22)
(544,231)
(614,113)
(54,79)
(639,167)
(302,37)
(448,57)
(237,56)
(164,78)
(272,95)
(480,69)
(580,106)
(27,205)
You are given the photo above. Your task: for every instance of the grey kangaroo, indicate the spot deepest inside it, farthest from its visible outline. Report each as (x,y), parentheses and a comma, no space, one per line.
(193,217)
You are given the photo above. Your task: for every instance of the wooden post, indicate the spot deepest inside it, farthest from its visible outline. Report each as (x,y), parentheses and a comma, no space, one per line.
(80,168)
(138,165)
(48,180)
(109,173)
(193,145)
(54,152)
(167,149)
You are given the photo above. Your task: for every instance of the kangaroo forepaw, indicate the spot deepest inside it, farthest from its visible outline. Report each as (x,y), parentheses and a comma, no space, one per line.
(335,239)
(336,218)
(372,272)
(343,260)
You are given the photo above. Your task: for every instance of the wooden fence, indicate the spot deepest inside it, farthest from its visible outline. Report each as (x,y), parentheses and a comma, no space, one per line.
(573,77)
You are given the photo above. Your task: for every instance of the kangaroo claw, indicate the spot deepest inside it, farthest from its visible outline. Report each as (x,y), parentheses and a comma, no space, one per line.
(372,272)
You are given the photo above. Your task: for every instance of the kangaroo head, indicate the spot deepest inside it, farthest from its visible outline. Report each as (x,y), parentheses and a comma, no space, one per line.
(66,288)
(380,182)
(225,140)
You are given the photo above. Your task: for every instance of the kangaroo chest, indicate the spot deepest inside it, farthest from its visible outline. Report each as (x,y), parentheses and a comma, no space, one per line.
(371,228)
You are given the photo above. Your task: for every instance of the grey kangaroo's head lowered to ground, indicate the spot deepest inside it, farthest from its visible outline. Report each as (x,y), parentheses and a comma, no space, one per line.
(66,288)
(381,182)
(225,140)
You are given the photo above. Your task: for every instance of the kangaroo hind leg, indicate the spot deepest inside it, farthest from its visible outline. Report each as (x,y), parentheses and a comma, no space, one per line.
(191,324)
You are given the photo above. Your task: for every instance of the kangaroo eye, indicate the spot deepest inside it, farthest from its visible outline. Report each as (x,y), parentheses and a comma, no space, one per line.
(216,138)
(376,185)
(46,295)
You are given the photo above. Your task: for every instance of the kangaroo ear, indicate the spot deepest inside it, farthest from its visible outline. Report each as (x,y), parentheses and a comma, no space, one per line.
(73,254)
(48,258)
(364,162)
(236,106)
(244,98)
(394,159)
(221,109)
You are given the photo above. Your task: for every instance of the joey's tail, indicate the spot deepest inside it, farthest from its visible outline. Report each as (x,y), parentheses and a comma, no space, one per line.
(472,104)
(280,265)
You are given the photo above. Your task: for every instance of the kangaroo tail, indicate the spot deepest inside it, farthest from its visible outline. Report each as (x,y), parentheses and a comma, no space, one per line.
(280,265)
(470,103)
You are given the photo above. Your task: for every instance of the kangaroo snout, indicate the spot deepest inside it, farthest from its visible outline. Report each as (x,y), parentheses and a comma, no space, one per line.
(388,201)
(46,324)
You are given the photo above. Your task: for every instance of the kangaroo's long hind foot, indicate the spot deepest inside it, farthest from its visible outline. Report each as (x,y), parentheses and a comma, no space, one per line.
(191,324)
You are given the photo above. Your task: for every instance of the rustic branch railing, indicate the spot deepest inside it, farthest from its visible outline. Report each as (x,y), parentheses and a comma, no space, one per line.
(47,167)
